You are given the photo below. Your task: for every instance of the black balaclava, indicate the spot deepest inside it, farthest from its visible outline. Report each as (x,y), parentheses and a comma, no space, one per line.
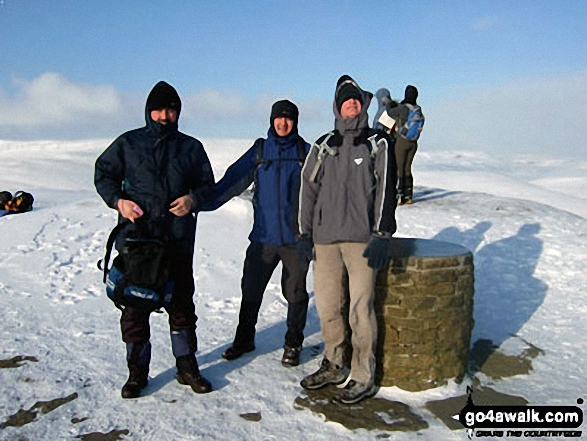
(285,109)
(163,96)
(411,95)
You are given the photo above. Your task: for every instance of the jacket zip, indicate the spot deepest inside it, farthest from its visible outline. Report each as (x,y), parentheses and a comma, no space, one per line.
(279,195)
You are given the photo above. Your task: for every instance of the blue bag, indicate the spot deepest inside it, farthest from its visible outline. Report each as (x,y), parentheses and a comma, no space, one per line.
(415,123)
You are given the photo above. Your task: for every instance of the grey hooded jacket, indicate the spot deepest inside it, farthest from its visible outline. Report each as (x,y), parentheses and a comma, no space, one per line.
(353,193)
(383,99)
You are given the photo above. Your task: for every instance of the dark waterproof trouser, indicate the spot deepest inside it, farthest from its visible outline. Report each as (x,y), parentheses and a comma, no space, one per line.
(134,322)
(404,156)
(260,262)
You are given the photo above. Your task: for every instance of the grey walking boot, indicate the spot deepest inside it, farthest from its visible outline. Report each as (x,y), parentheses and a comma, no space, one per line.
(354,392)
(327,374)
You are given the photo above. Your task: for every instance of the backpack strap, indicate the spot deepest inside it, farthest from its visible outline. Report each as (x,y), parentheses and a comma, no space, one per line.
(406,126)
(373,142)
(103,263)
(259,144)
(371,137)
(323,150)
(302,153)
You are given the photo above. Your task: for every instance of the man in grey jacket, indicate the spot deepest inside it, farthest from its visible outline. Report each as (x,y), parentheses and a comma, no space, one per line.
(347,217)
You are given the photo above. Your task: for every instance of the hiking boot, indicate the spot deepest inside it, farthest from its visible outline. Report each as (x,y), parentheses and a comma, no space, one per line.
(291,356)
(327,374)
(354,392)
(195,380)
(188,374)
(138,379)
(236,351)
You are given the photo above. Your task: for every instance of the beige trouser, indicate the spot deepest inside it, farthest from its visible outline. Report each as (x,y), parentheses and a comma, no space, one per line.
(333,262)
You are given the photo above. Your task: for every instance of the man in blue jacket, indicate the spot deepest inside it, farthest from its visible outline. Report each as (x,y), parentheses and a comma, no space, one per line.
(274,165)
(149,175)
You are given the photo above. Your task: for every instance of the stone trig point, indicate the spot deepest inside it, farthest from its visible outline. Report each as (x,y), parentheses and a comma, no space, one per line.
(424,305)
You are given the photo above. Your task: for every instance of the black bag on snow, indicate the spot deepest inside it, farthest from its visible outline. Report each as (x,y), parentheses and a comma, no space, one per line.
(21,202)
(140,275)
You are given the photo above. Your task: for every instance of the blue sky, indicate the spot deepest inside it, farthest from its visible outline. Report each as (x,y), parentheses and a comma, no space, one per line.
(493,75)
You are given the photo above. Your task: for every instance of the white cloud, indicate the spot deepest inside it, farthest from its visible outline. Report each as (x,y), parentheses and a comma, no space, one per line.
(51,99)
(532,115)
(216,104)
(52,106)
(226,113)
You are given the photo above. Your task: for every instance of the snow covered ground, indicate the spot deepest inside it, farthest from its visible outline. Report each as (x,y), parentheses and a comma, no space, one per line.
(524,218)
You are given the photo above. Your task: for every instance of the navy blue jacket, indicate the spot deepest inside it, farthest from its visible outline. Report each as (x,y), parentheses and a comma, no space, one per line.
(153,166)
(276,187)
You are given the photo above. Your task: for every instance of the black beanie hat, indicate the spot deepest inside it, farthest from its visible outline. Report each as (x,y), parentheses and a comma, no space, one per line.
(347,88)
(163,96)
(411,95)
(285,109)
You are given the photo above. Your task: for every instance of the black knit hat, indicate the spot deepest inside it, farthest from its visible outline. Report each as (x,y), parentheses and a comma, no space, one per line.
(163,96)
(347,88)
(285,109)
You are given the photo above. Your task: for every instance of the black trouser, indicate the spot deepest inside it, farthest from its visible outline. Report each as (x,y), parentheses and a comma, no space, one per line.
(260,262)
(404,156)
(134,322)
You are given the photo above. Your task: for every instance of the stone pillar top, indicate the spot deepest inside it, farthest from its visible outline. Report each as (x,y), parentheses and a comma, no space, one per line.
(404,247)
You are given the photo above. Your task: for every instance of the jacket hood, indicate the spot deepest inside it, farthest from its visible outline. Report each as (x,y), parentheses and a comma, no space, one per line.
(163,95)
(383,97)
(360,121)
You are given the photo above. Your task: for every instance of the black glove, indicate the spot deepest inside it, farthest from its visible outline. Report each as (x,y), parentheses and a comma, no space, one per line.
(377,251)
(305,248)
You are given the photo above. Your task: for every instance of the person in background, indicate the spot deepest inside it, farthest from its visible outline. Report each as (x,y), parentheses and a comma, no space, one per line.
(383,99)
(409,124)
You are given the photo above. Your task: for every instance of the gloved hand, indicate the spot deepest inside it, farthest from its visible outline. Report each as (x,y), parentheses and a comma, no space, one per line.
(305,248)
(377,251)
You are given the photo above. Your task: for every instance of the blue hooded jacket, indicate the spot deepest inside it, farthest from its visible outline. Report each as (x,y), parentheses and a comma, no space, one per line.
(276,187)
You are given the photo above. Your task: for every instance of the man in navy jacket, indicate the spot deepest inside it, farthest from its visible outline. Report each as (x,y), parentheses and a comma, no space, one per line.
(274,165)
(149,175)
